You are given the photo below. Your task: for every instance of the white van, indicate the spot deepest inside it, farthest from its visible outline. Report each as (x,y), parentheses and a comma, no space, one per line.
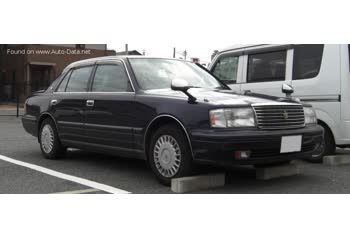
(318,73)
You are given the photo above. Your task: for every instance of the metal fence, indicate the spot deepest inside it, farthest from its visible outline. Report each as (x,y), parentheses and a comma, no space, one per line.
(12,97)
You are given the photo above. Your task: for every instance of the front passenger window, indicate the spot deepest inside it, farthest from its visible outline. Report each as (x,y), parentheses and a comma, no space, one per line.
(226,69)
(111,78)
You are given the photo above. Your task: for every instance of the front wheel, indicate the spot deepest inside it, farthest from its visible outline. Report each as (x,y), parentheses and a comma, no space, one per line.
(170,154)
(327,147)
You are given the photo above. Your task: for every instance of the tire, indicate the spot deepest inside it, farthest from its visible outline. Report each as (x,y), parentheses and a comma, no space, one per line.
(169,154)
(51,147)
(327,147)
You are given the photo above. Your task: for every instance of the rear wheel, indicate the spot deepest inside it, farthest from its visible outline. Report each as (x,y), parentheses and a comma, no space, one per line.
(170,154)
(51,147)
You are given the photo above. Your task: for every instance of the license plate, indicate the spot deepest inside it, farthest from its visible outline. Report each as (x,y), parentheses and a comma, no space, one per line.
(291,144)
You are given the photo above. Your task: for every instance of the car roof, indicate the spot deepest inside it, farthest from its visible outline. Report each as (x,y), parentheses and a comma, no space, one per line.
(248,46)
(121,57)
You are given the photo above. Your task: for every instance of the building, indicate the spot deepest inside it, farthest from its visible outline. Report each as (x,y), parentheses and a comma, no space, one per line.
(132,52)
(25,68)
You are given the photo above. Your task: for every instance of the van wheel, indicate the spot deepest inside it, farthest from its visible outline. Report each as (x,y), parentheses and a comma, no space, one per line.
(326,148)
(169,154)
(51,147)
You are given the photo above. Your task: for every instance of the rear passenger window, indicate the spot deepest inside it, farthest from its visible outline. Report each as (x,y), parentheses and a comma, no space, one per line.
(266,67)
(307,60)
(226,69)
(78,81)
(111,78)
(63,84)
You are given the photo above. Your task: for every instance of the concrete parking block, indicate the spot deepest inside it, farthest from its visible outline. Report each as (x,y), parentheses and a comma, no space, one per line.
(195,183)
(336,160)
(286,170)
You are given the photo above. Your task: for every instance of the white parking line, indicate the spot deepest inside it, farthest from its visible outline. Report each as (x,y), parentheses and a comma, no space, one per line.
(64,176)
(90,190)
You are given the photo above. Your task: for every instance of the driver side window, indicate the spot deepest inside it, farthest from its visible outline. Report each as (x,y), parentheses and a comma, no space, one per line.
(226,69)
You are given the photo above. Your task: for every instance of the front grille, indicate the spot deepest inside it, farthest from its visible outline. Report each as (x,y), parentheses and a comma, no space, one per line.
(279,116)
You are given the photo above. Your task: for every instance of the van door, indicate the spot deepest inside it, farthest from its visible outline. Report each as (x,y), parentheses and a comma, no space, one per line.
(316,72)
(265,72)
(228,68)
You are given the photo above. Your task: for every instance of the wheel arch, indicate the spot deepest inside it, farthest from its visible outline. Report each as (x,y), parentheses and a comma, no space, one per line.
(41,118)
(326,127)
(159,121)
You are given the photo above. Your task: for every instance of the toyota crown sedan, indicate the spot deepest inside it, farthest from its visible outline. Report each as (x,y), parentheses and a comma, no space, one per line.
(172,113)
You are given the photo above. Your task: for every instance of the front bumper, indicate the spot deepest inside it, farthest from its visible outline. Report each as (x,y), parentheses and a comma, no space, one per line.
(218,146)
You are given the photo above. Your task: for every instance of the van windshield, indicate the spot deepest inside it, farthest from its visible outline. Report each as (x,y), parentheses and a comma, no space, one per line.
(155,73)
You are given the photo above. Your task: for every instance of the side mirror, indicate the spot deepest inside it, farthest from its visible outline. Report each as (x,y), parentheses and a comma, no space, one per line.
(287,89)
(182,85)
(178,84)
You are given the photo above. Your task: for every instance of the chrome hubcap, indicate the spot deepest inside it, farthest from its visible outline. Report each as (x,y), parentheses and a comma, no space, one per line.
(167,155)
(47,138)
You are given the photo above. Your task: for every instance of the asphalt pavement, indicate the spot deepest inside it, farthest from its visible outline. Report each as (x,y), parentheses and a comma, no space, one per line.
(134,176)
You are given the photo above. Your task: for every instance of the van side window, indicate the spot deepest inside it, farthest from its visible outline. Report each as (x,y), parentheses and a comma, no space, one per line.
(349,54)
(267,67)
(307,60)
(111,78)
(226,69)
(78,81)
(63,84)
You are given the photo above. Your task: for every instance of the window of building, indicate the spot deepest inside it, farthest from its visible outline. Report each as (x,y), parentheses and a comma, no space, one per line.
(78,81)
(111,78)
(80,46)
(226,69)
(3,77)
(266,67)
(63,84)
(307,60)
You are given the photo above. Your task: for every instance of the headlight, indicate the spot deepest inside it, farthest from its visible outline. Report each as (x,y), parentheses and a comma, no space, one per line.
(310,115)
(232,117)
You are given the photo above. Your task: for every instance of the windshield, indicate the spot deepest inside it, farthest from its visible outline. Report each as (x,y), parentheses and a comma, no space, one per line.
(158,73)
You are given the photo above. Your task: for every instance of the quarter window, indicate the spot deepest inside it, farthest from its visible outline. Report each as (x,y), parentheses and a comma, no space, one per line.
(226,69)
(78,81)
(111,78)
(63,84)
(266,67)
(307,60)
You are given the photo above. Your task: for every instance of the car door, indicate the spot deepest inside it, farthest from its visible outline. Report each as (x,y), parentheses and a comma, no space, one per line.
(265,72)
(110,108)
(228,68)
(68,104)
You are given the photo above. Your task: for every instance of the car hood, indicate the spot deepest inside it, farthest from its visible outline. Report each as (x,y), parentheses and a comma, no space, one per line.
(221,97)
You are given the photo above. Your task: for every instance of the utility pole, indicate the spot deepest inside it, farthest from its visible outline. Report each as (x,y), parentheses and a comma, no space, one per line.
(126,49)
(185,54)
(174,53)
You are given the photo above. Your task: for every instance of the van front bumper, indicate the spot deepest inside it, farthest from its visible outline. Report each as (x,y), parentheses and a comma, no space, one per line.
(219,146)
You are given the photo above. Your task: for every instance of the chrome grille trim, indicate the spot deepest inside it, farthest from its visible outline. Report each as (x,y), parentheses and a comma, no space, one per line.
(282,116)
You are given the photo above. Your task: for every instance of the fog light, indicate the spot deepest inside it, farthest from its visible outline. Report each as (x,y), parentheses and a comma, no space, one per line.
(242,154)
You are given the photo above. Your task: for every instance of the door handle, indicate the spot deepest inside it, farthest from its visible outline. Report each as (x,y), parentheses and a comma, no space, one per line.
(53,102)
(90,103)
